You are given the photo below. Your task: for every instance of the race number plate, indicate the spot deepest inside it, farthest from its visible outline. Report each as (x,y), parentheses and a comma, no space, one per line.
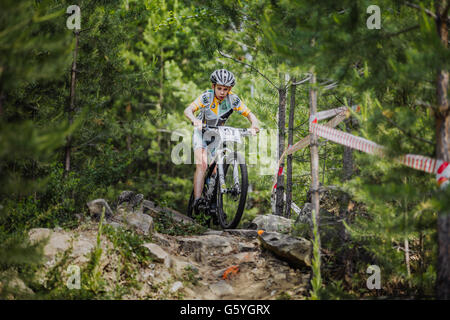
(227,134)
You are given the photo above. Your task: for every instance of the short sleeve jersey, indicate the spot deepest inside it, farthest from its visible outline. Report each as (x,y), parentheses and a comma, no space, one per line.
(215,113)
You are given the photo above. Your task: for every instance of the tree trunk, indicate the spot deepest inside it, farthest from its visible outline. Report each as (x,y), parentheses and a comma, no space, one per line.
(347,164)
(2,97)
(281,135)
(347,158)
(289,157)
(71,107)
(159,108)
(442,119)
(314,149)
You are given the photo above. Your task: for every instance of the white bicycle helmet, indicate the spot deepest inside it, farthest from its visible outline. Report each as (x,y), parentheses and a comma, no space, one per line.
(223,77)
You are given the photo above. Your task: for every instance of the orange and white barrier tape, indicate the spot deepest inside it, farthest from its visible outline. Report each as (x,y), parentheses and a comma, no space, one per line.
(430,165)
(322,115)
(341,113)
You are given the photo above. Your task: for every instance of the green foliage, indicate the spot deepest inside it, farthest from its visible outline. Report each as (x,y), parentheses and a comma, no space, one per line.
(129,244)
(316,281)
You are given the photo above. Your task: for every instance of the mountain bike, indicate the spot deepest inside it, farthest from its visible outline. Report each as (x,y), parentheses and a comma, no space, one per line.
(225,193)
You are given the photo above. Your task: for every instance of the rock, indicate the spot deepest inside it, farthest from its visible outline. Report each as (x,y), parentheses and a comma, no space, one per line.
(142,223)
(305,216)
(303,224)
(176,286)
(129,199)
(150,208)
(125,196)
(158,254)
(273,223)
(39,234)
(213,232)
(296,251)
(221,288)
(250,234)
(57,242)
(14,285)
(96,208)
(160,239)
(114,224)
(206,243)
(245,247)
(244,257)
(81,248)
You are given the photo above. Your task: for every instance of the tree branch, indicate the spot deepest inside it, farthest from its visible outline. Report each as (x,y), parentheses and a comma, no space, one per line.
(249,65)
(406,132)
(428,12)
(302,81)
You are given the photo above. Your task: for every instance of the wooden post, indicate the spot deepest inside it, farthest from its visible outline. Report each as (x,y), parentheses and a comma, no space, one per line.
(314,150)
(71,107)
(281,135)
(289,157)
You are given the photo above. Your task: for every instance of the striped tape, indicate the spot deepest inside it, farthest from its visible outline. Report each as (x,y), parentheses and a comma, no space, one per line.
(418,162)
(305,141)
(322,115)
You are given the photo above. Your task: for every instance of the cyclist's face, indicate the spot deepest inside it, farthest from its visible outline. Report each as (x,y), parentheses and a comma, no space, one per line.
(221,91)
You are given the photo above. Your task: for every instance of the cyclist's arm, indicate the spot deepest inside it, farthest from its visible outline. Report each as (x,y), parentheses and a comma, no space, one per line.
(255,123)
(189,113)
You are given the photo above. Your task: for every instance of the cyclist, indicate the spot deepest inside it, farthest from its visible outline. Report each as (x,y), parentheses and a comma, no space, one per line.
(215,105)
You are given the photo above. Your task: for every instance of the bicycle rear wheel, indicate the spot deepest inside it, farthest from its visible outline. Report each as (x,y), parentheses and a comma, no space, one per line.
(231,203)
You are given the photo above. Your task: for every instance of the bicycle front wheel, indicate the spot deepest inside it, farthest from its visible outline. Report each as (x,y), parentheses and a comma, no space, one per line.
(231,198)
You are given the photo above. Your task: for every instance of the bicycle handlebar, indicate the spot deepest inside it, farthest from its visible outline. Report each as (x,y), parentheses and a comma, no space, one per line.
(243,131)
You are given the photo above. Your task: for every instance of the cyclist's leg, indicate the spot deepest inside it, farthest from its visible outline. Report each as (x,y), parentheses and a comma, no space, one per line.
(211,154)
(200,170)
(200,160)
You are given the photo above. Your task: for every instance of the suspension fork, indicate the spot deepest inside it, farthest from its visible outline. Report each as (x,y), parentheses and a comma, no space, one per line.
(236,175)
(221,173)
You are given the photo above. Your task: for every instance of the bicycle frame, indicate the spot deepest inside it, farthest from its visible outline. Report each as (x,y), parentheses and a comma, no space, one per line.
(222,153)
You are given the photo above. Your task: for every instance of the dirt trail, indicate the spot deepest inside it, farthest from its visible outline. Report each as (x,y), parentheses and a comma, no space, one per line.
(229,266)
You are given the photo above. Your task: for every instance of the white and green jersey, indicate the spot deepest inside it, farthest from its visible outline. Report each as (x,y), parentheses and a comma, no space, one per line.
(215,113)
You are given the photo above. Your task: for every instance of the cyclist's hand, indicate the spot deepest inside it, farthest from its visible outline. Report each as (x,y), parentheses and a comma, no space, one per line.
(197,124)
(254,130)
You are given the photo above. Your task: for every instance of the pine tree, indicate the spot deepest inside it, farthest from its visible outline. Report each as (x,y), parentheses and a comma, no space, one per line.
(32,52)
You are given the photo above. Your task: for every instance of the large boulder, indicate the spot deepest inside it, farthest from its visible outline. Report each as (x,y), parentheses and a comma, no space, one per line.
(96,208)
(60,241)
(272,223)
(295,251)
(141,223)
(56,242)
(130,199)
